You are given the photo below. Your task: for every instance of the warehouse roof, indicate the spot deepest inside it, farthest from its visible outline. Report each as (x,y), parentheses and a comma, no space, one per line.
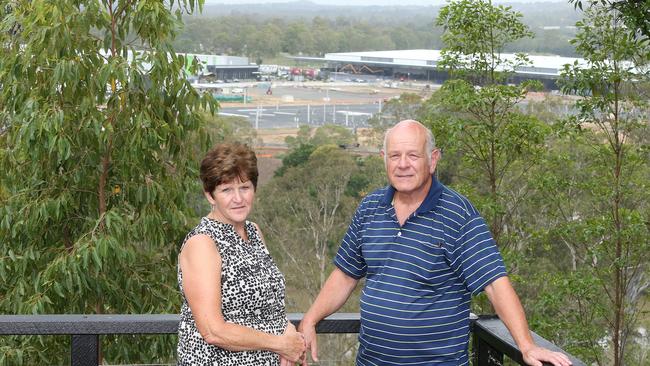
(541,65)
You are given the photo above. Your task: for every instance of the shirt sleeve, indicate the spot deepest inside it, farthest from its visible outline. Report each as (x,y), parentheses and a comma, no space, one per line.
(476,258)
(349,257)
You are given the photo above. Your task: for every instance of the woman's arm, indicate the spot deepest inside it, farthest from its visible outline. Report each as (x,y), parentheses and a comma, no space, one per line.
(200,264)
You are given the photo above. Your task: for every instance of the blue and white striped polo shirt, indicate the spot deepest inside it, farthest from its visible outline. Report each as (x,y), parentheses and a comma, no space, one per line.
(419,277)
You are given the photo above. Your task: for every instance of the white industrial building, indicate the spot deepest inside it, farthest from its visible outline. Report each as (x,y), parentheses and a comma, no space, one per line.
(422,64)
(222,67)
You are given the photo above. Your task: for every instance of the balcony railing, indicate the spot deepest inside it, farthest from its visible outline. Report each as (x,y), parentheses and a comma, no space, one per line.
(491,339)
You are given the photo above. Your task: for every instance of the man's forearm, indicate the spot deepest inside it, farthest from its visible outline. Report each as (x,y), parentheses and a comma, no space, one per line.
(508,307)
(332,297)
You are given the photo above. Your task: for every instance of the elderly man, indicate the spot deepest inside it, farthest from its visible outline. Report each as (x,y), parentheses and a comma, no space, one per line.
(424,250)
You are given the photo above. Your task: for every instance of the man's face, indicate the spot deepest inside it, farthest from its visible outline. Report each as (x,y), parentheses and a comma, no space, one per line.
(408,167)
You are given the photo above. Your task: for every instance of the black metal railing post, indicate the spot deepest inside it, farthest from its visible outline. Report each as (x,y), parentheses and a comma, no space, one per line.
(84,350)
(484,354)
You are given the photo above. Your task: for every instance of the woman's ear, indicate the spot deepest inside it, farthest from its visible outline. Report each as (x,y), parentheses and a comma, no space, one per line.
(208,196)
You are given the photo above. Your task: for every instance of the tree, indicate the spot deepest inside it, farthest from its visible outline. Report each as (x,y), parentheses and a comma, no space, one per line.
(332,134)
(298,39)
(406,106)
(230,128)
(563,300)
(324,135)
(299,155)
(474,114)
(303,137)
(97,163)
(305,212)
(635,13)
(325,39)
(475,34)
(612,235)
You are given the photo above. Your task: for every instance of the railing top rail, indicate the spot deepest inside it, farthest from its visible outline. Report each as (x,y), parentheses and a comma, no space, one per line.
(497,335)
(64,324)
(489,328)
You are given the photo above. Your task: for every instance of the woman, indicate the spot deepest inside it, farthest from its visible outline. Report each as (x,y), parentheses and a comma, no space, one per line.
(233,293)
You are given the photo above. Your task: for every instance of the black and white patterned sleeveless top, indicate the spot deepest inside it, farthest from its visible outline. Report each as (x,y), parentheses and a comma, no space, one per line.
(252,295)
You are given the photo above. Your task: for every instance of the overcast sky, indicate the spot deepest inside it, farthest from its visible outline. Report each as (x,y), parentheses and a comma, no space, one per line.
(366,2)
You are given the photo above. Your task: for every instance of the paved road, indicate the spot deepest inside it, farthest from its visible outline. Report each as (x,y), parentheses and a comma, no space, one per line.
(312,114)
(340,94)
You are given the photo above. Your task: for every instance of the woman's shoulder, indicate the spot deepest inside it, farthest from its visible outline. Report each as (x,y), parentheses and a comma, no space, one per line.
(255,235)
(253,231)
(208,230)
(252,225)
(200,229)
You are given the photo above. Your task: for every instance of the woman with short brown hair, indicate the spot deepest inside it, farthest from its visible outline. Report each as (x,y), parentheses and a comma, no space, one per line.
(233,309)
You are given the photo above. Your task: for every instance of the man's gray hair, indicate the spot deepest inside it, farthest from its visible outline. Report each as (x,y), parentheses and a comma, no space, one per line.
(430,141)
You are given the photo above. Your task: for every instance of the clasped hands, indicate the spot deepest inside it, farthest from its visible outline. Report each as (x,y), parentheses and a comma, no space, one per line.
(294,348)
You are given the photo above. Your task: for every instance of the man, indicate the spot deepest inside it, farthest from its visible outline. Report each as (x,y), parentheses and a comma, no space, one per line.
(424,251)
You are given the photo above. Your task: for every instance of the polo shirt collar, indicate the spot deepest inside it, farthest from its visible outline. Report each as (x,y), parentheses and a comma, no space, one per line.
(430,201)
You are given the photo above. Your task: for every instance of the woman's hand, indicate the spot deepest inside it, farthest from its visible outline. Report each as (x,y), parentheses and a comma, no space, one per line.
(294,346)
(311,342)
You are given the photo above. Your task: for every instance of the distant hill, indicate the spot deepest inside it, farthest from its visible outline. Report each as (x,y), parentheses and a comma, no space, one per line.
(536,15)
(265,30)
(306,9)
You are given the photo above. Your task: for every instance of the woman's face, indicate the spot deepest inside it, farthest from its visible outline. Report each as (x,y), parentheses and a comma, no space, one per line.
(232,201)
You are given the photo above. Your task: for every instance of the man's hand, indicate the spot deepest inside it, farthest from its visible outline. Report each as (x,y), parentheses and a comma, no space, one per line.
(331,297)
(535,355)
(311,343)
(294,346)
(508,307)
(285,362)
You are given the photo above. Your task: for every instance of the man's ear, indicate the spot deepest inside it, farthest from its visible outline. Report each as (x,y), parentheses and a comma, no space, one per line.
(435,156)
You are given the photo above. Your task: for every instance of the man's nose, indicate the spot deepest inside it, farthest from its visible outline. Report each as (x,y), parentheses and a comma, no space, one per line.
(403,161)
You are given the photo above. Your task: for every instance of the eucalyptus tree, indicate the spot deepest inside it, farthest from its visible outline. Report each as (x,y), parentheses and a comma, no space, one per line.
(97,161)
(610,234)
(304,213)
(635,13)
(474,115)
(405,106)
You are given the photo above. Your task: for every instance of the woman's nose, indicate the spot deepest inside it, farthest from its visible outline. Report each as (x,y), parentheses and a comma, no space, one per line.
(238,195)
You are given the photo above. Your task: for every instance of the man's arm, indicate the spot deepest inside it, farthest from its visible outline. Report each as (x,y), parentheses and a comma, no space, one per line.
(332,296)
(508,307)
